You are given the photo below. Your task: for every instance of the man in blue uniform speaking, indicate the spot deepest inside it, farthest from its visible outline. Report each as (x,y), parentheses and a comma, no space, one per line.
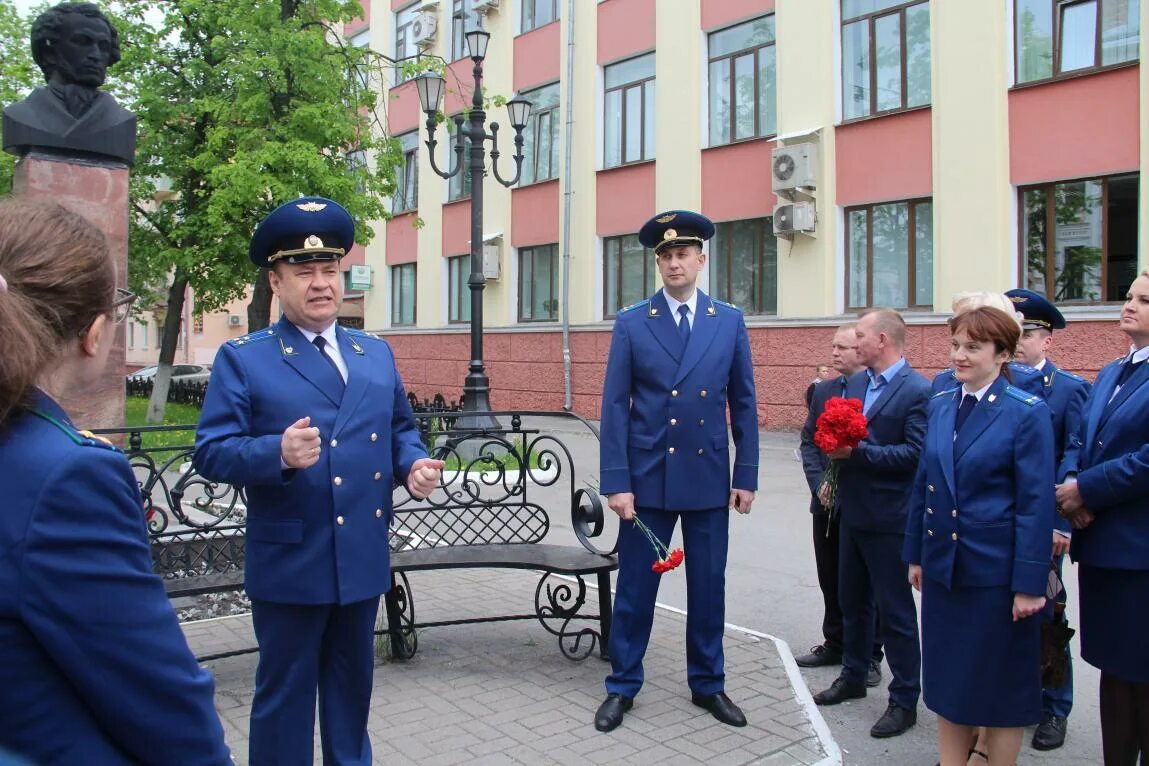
(312,420)
(677,362)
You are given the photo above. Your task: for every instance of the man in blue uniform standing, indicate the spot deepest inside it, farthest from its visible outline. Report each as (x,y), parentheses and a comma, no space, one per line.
(677,362)
(312,420)
(1065,395)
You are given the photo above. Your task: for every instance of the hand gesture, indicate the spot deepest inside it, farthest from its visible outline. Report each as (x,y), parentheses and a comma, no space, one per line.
(1025,605)
(424,477)
(622,503)
(299,446)
(741,500)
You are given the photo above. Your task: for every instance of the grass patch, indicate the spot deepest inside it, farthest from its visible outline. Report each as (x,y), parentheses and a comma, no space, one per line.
(510,460)
(135,414)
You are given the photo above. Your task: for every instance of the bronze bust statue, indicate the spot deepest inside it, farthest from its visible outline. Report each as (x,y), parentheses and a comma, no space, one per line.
(73,44)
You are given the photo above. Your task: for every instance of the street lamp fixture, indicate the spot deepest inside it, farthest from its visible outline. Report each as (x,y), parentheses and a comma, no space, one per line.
(473,128)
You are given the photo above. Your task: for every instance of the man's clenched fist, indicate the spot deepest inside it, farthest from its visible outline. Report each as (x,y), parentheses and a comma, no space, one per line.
(299,447)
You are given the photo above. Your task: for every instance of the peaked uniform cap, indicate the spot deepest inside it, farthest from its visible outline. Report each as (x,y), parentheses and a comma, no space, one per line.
(303,230)
(1036,310)
(675,227)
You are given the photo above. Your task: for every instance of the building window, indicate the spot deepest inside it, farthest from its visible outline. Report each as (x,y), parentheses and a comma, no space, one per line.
(538,283)
(890,255)
(459,293)
(743,88)
(541,138)
(744,265)
(406,195)
(356,164)
(536,13)
(1079,238)
(403,295)
(1057,37)
(463,20)
(362,72)
(131,334)
(404,42)
(885,56)
(629,111)
(629,273)
(458,185)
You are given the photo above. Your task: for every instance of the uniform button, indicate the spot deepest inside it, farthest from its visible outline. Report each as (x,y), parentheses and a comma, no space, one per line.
(674,392)
(699,452)
(702,393)
(374,437)
(930,487)
(1100,443)
(929,510)
(955,513)
(671,450)
(338,481)
(954,536)
(674,421)
(339,520)
(930,532)
(378,513)
(334,443)
(378,475)
(701,421)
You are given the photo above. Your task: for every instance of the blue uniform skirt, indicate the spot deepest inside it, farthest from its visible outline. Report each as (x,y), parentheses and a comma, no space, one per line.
(1115,620)
(979,668)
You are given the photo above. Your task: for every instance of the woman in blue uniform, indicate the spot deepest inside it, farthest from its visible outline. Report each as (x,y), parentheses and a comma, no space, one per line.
(978,544)
(94,668)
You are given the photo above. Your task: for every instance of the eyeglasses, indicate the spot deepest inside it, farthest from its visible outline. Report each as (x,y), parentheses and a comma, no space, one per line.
(122,305)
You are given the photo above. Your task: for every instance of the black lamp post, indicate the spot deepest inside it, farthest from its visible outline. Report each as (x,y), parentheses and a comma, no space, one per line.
(476,387)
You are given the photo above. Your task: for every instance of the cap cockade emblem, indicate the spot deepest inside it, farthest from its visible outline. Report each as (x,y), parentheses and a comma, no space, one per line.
(669,234)
(311,207)
(314,242)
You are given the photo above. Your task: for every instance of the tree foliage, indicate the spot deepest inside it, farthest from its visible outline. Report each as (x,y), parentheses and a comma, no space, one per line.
(18,73)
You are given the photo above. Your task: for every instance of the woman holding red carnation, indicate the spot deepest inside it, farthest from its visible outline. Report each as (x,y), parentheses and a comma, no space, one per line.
(978,544)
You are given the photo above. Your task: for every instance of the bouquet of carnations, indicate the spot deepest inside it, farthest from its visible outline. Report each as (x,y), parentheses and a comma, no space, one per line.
(841,424)
(665,559)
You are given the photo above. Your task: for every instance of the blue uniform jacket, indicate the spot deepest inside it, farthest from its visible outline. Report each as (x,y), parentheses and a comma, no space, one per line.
(1065,393)
(1024,377)
(874,482)
(981,513)
(664,407)
(1111,460)
(317,535)
(94,668)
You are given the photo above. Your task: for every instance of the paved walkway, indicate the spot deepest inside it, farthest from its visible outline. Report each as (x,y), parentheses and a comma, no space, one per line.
(501,693)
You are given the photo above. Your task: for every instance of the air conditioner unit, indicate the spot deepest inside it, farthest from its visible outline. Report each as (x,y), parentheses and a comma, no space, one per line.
(794,167)
(423,29)
(794,217)
(234,320)
(482,6)
(490,262)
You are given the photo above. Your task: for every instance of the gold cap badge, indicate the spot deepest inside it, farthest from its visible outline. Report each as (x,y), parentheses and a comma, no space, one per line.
(314,241)
(669,234)
(667,218)
(311,207)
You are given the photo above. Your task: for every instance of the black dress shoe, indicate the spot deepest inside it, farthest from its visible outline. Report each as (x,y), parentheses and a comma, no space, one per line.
(1050,734)
(610,712)
(720,707)
(840,691)
(896,720)
(874,675)
(819,657)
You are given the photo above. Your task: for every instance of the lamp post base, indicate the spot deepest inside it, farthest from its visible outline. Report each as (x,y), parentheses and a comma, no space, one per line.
(476,402)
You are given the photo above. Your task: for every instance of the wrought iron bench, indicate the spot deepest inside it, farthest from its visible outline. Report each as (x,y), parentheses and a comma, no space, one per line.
(502,499)
(502,494)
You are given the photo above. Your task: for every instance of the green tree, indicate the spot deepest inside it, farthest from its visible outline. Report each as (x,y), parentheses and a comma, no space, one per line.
(242,105)
(18,73)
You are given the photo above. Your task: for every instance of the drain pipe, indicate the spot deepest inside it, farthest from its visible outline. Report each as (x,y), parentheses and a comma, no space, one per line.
(568,399)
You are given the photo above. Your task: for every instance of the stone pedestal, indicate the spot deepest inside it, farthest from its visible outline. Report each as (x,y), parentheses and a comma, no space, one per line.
(98,191)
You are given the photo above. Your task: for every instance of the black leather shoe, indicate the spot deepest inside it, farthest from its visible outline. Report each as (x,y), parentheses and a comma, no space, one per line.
(610,712)
(1050,734)
(720,707)
(896,720)
(819,657)
(874,675)
(840,691)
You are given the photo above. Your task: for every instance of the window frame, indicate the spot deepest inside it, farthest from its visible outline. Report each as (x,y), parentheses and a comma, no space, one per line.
(534,252)
(463,177)
(457,292)
(408,169)
(524,25)
(911,252)
(871,51)
(402,40)
(552,113)
(1050,275)
(397,292)
(459,27)
(643,109)
(711,60)
(1056,9)
(649,272)
(718,246)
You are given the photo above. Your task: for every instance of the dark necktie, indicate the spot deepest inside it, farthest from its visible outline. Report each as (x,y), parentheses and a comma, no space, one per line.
(321,344)
(842,380)
(1128,369)
(968,402)
(684,324)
